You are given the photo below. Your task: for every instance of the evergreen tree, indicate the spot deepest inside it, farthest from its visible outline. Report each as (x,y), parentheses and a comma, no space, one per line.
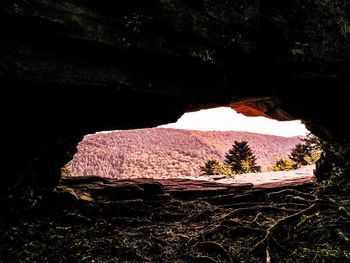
(298,154)
(241,159)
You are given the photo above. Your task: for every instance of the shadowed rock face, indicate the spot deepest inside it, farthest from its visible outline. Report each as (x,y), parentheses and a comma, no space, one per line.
(72,67)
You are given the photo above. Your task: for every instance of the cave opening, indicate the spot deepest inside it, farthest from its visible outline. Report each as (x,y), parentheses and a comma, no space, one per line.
(196,146)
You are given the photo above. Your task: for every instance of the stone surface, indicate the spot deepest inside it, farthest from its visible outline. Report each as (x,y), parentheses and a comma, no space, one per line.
(97,189)
(277,179)
(73,67)
(265,107)
(145,188)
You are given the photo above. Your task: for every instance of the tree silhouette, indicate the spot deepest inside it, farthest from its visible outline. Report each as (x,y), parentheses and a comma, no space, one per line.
(298,154)
(240,158)
(306,153)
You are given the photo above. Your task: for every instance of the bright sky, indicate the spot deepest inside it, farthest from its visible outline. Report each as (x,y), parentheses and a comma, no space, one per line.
(226,119)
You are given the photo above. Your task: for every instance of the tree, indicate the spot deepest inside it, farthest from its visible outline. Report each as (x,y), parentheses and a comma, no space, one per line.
(241,159)
(282,164)
(307,152)
(298,154)
(214,167)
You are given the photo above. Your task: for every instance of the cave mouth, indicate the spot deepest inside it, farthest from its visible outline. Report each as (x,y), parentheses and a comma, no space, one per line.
(195,147)
(70,68)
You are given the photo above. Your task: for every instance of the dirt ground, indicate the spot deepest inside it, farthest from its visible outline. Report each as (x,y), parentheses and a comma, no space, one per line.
(98,220)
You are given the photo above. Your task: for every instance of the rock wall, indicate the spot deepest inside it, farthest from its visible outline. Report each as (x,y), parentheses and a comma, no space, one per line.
(72,67)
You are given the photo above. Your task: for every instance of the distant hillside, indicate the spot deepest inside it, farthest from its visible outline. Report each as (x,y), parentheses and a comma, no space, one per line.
(161,152)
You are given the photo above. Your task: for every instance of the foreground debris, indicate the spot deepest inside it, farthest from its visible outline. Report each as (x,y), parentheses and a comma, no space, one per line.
(99,220)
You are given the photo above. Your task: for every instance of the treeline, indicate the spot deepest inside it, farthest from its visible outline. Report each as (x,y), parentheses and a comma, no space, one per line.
(240,159)
(166,152)
(305,153)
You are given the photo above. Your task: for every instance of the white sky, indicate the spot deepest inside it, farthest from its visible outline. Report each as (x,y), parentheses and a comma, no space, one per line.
(226,119)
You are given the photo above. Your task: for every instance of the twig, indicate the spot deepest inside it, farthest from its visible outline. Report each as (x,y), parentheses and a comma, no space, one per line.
(242,205)
(163,242)
(242,211)
(257,217)
(292,191)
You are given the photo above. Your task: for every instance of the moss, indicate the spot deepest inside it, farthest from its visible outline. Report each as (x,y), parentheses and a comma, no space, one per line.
(297,51)
(345,29)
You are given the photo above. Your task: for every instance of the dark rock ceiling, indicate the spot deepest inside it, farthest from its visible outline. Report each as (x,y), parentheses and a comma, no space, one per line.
(72,67)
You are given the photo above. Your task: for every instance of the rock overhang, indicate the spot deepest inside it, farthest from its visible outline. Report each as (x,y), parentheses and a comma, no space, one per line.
(98,66)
